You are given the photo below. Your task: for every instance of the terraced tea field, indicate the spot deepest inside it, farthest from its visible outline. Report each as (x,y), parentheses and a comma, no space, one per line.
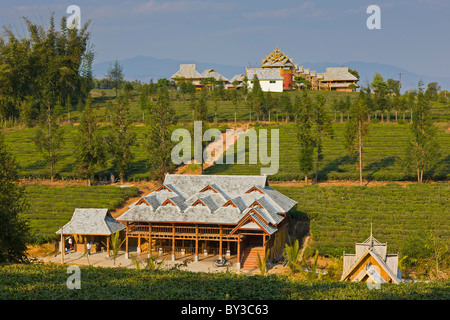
(384,148)
(341,216)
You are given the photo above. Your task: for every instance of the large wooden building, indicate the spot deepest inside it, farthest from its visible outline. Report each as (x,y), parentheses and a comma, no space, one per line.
(219,214)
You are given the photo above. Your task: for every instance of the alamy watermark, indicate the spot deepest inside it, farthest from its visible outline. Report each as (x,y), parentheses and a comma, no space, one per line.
(221,147)
(74,20)
(74,280)
(374,21)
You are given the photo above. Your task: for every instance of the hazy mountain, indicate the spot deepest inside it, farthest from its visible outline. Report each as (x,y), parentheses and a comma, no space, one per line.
(144,68)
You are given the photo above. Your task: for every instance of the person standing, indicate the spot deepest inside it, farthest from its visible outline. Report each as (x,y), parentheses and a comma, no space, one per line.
(70,244)
(88,247)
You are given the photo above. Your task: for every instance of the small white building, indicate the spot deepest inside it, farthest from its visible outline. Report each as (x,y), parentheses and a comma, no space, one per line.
(269,79)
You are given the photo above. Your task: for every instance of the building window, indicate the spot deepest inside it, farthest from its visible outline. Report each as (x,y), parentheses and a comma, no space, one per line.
(272,81)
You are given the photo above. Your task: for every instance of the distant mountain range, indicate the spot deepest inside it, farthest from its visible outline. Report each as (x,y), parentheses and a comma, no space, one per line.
(144,68)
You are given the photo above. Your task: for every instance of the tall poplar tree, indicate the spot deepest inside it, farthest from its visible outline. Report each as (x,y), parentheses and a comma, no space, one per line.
(357,129)
(323,128)
(305,138)
(422,151)
(115,75)
(49,138)
(158,140)
(122,138)
(90,151)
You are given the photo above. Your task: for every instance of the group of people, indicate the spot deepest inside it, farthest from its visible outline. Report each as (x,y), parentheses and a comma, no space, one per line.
(70,241)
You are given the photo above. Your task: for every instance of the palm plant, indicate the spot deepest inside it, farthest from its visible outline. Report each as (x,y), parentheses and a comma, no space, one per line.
(262,263)
(116,244)
(292,253)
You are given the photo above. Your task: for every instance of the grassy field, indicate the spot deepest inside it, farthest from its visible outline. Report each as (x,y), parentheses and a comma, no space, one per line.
(52,207)
(401,215)
(48,282)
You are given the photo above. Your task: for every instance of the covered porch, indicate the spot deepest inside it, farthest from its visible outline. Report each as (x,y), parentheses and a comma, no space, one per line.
(197,242)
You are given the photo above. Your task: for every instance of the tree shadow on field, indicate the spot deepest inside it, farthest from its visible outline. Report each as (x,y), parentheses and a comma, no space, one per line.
(441,170)
(376,166)
(36,165)
(334,165)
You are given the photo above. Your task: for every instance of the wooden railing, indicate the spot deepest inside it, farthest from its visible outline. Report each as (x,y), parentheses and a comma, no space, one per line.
(180,231)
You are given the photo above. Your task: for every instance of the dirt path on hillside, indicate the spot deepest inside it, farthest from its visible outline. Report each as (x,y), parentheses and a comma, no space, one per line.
(192,168)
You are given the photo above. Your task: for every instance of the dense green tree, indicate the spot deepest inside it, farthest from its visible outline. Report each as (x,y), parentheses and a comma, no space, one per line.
(380,91)
(122,138)
(245,88)
(15,230)
(285,105)
(257,97)
(201,114)
(49,138)
(305,137)
(322,126)
(45,66)
(432,91)
(115,75)
(235,101)
(90,150)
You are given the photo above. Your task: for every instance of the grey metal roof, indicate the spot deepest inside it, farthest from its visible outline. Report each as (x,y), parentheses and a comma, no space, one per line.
(189,190)
(237,77)
(338,73)
(263,74)
(233,186)
(91,221)
(211,73)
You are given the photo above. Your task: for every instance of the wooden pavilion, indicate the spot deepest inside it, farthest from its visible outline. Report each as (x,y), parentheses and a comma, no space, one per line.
(371,263)
(204,214)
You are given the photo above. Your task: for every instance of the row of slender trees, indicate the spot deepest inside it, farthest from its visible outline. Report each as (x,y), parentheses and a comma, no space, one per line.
(315,124)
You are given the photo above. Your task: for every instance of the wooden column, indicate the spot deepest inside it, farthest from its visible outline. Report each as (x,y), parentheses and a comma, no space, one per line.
(149,239)
(264,244)
(196,243)
(62,246)
(239,252)
(139,244)
(173,242)
(220,243)
(107,244)
(126,242)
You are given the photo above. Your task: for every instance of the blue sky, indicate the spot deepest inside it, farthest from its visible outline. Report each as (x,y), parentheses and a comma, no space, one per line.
(414,33)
